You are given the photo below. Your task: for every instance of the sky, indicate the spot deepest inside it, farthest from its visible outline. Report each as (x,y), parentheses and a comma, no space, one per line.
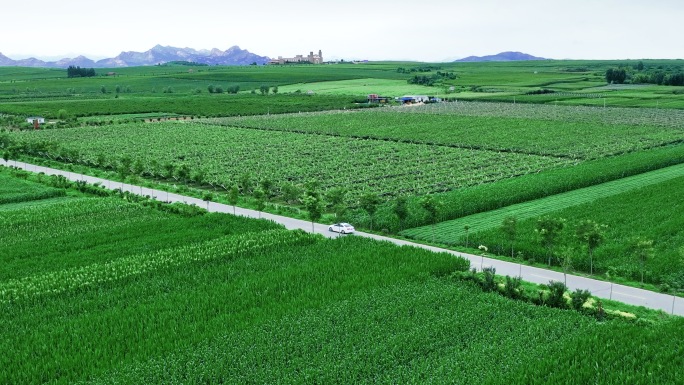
(420,30)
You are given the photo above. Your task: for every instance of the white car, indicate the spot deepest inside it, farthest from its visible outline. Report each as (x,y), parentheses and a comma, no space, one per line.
(342,228)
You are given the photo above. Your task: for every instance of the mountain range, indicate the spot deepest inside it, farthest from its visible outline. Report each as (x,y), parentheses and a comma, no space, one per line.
(156,55)
(503,56)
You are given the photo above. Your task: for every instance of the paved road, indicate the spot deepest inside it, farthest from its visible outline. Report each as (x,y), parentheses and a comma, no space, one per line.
(601,289)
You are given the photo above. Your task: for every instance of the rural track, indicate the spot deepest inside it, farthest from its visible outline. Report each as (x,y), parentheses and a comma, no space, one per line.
(601,289)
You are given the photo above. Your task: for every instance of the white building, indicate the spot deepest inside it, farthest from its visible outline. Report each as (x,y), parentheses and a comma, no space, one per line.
(32,119)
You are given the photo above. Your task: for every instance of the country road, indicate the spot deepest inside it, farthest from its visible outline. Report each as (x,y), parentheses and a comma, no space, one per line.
(601,289)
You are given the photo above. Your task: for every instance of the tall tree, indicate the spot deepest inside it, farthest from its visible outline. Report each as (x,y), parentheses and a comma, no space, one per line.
(260,200)
(312,203)
(208,197)
(549,230)
(233,197)
(509,226)
(641,249)
(369,203)
(431,206)
(590,234)
(335,200)
(401,210)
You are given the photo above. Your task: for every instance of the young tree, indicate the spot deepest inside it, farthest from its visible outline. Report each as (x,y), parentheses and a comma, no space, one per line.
(591,235)
(198,176)
(641,249)
(335,200)
(138,167)
(401,210)
(291,193)
(430,204)
(267,187)
(183,173)
(466,228)
(549,230)
(233,196)
(509,226)
(264,89)
(169,169)
(275,90)
(567,257)
(208,197)
(313,204)
(369,203)
(260,200)
(245,183)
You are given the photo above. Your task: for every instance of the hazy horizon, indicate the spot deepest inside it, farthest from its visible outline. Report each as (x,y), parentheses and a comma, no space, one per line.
(437,31)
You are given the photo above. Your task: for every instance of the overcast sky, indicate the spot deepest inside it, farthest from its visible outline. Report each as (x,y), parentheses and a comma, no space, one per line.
(423,30)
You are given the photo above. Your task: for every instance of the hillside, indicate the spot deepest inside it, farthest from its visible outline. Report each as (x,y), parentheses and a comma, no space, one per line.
(155,55)
(502,56)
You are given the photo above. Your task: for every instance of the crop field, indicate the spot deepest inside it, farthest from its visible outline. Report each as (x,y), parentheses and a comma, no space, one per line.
(15,190)
(192,105)
(541,130)
(236,300)
(648,212)
(225,154)
(363,86)
(453,231)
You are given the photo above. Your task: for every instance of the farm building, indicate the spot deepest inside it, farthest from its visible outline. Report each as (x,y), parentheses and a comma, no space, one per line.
(410,99)
(311,58)
(33,119)
(375,98)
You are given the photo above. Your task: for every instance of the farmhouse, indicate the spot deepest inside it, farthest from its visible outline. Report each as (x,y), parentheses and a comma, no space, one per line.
(375,98)
(33,119)
(311,58)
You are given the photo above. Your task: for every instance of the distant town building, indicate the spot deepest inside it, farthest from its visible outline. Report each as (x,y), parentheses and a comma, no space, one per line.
(311,58)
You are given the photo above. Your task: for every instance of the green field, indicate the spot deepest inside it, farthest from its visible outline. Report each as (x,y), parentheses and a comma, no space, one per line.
(646,210)
(576,133)
(226,155)
(14,190)
(237,300)
(453,231)
(539,129)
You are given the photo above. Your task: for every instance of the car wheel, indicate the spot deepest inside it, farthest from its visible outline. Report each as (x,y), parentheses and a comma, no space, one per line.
(342,232)
(330,229)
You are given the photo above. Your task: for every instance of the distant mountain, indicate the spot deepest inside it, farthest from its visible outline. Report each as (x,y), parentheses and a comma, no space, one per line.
(156,55)
(503,56)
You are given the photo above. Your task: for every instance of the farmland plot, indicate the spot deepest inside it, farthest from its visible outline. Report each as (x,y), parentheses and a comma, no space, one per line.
(226,154)
(569,132)
(236,300)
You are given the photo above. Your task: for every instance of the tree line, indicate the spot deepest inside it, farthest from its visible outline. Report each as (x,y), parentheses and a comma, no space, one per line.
(640,74)
(78,72)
